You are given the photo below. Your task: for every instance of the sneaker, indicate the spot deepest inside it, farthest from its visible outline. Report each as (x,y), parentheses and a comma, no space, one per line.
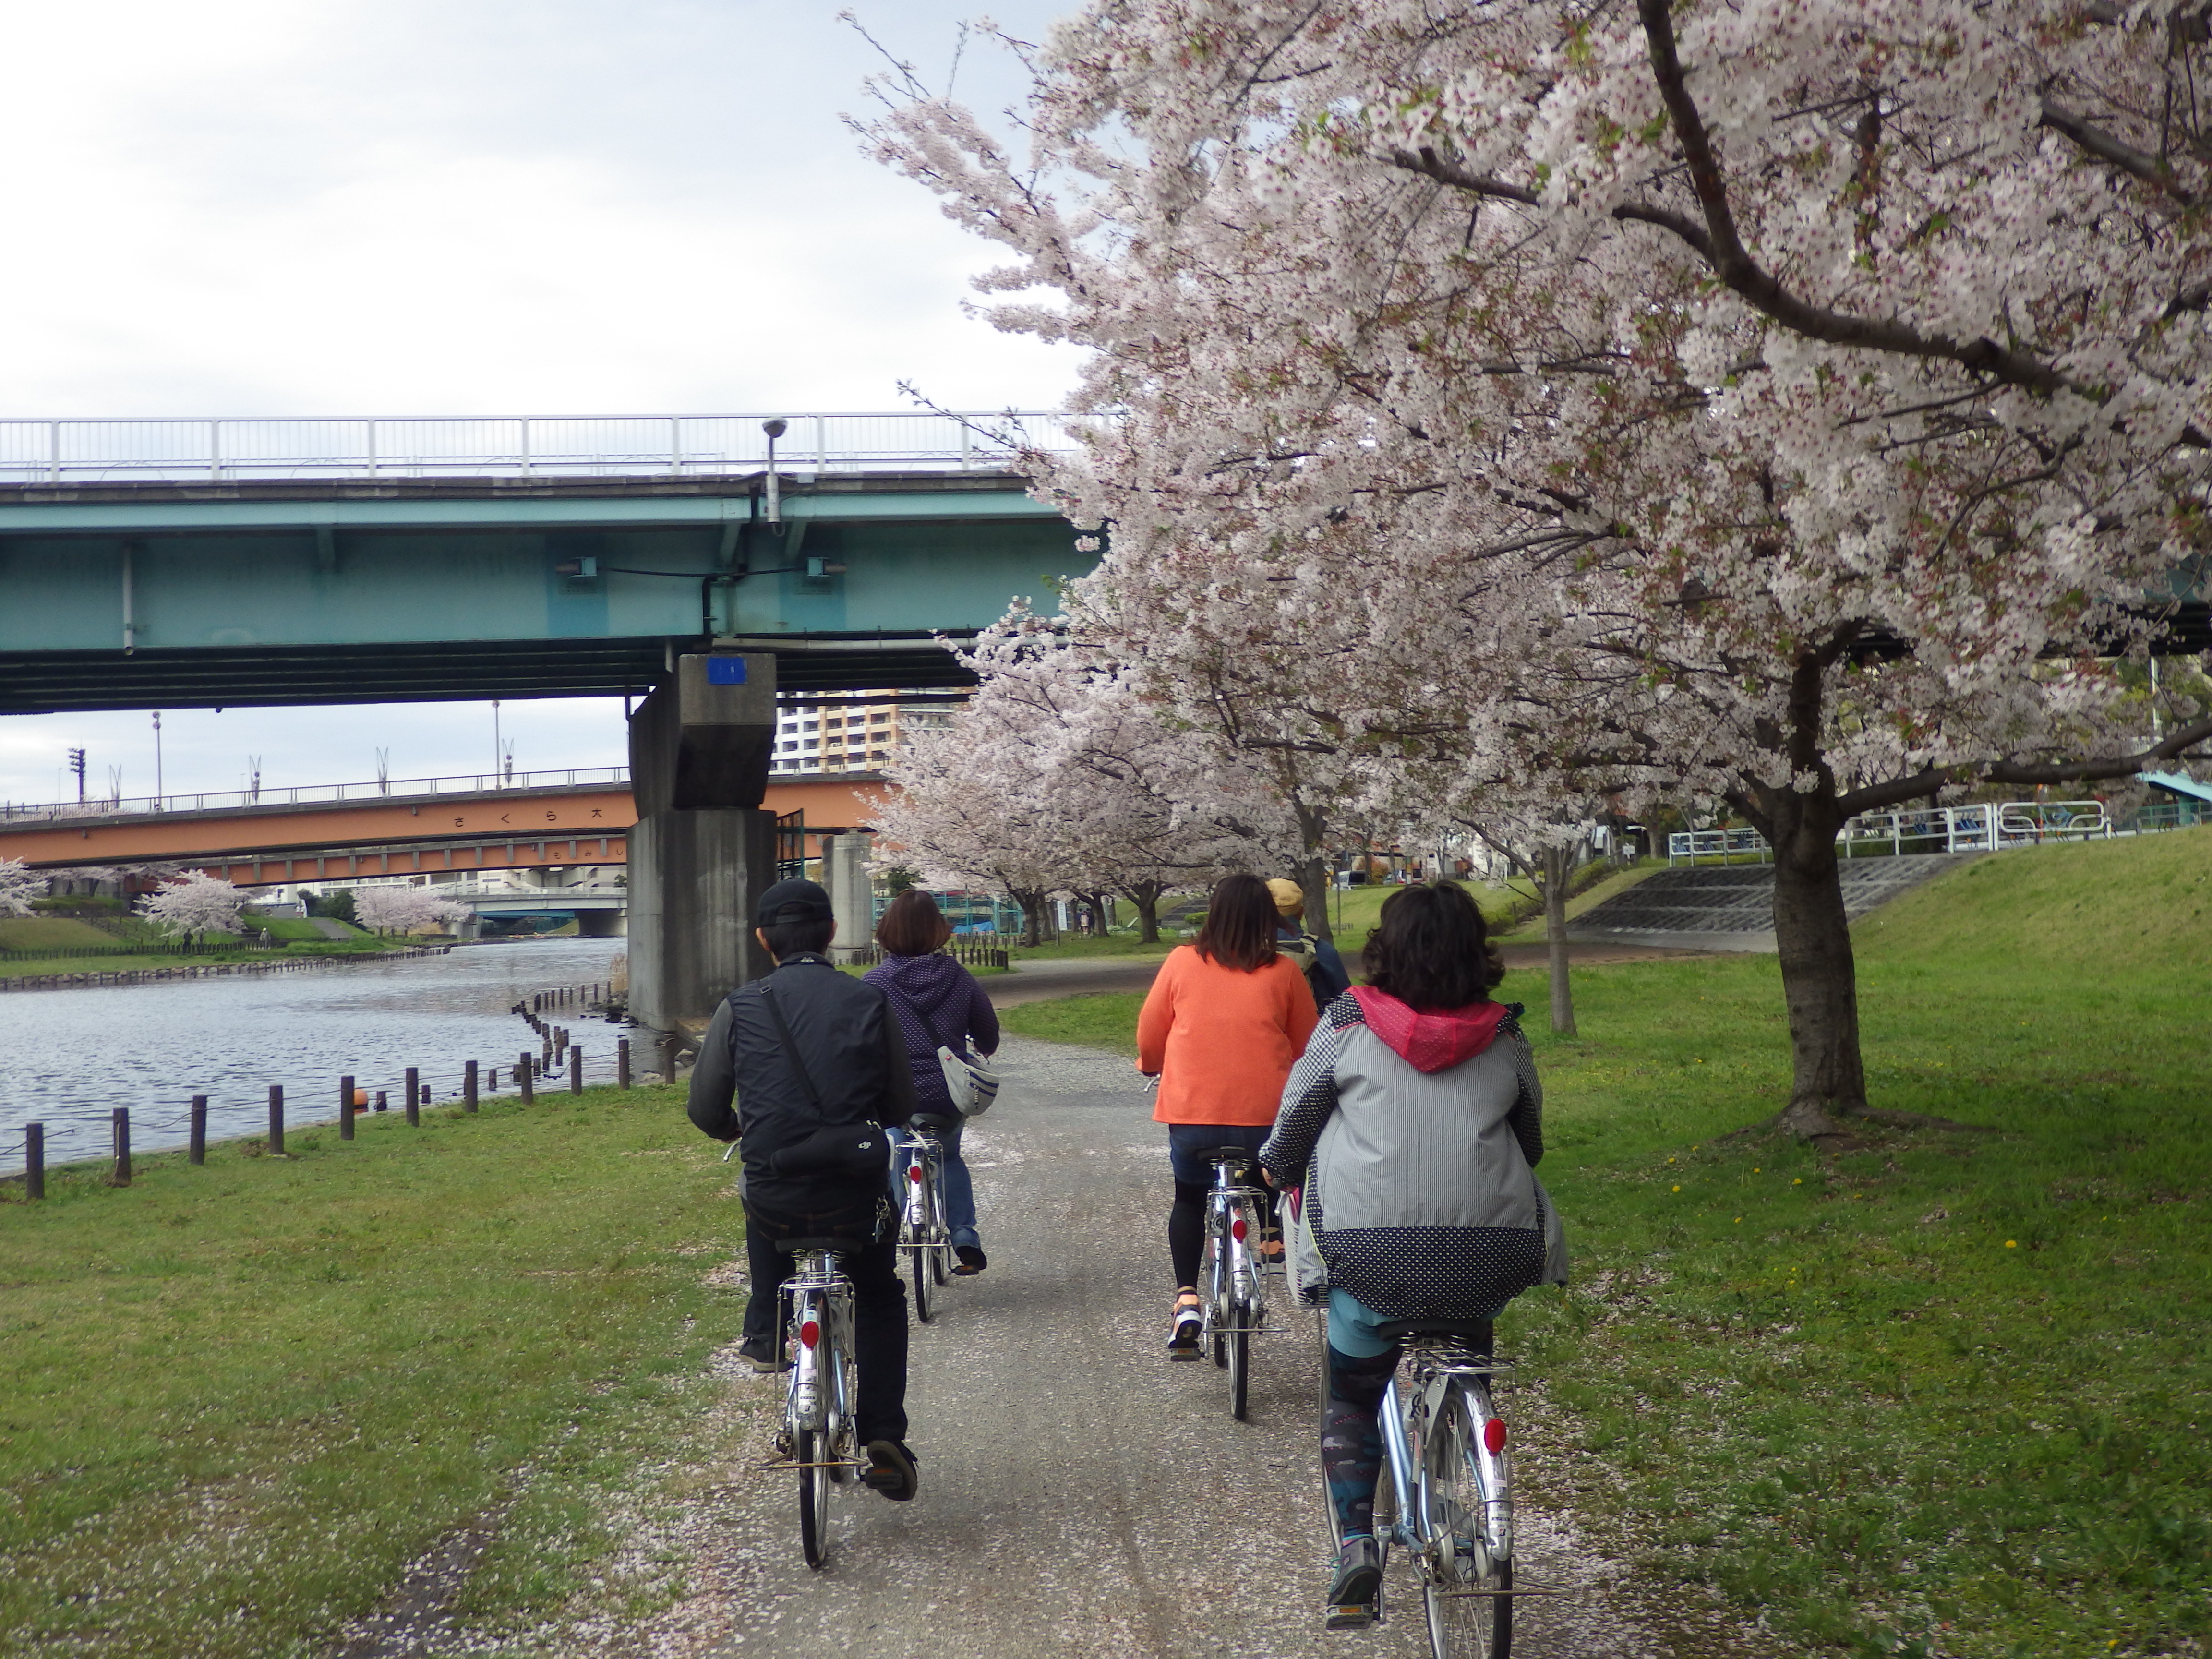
(891,1470)
(1358,1586)
(972,1260)
(760,1353)
(1183,1336)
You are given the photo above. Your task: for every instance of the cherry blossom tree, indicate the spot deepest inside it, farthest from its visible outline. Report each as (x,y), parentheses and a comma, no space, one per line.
(19,885)
(1797,406)
(193,903)
(404,909)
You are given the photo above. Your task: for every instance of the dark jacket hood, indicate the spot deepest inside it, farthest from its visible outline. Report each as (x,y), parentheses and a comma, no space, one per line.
(1435,1040)
(927,982)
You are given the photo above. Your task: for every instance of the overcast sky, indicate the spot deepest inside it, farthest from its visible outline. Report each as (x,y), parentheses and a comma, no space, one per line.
(328,206)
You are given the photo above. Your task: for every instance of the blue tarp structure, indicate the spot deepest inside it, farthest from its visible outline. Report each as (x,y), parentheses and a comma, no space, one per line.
(2179,784)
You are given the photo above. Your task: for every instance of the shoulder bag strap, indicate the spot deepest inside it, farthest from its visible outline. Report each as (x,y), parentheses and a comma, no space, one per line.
(790,1047)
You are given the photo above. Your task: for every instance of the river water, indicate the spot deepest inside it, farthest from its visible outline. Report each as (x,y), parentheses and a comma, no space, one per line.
(67,1057)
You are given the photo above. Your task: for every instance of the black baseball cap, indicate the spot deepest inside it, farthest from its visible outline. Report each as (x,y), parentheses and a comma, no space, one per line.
(795,900)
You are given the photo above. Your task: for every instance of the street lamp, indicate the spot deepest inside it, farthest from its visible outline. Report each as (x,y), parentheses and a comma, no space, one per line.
(774,429)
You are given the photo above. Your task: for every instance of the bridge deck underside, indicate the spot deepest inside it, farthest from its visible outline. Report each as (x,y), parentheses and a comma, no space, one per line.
(450,671)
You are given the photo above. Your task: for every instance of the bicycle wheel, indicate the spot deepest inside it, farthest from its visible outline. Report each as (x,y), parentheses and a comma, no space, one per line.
(1464,1621)
(938,1270)
(920,1256)
(808,1448)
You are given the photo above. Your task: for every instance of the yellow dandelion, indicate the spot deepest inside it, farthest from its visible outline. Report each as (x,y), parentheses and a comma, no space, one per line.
(1799,1182)
(2012,1244)
(1739,1221)
(1673,1189)
(1754,1170)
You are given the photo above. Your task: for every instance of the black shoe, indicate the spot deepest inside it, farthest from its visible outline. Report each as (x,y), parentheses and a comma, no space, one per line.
(891,1470)
(760,1353)
(972,1260)
(1358,1585)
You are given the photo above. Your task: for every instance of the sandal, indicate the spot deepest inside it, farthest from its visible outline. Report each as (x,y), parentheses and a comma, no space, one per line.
(1189,1321)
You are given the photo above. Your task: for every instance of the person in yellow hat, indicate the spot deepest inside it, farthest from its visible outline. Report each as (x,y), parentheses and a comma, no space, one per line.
(1314,957)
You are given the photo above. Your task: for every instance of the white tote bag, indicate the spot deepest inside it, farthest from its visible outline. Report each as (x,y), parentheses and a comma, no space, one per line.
(972,1085)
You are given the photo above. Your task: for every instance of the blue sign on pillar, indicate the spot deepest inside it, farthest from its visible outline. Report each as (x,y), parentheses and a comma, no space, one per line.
(726,670)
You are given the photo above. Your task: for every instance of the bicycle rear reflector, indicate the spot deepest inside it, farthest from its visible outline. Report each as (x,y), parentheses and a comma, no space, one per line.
(809,1332)
(913,1173)
(1237,1229)
(1493,1436)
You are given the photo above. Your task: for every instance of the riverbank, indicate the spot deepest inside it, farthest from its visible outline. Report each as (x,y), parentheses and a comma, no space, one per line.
(241,1398)
(50,974)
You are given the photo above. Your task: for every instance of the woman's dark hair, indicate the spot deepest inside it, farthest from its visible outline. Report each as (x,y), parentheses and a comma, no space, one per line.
(912,925)
(1239,931)
(1432,950)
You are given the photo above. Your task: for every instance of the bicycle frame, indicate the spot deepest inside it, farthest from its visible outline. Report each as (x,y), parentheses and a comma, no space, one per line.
(1232,1222)
(1441,1374)
(817,1296)
(922,1206)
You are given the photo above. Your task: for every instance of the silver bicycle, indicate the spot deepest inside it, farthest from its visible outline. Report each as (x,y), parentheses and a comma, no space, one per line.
(922,1232)
(822,1386)
(1447,1494)
(1234,1296)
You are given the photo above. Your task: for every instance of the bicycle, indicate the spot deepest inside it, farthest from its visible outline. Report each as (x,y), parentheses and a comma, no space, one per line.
(1447,1499)
(922,1231)
(817,1435)
(1235,1302)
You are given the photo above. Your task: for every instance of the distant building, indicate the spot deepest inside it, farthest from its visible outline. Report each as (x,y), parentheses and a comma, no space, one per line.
(836,731)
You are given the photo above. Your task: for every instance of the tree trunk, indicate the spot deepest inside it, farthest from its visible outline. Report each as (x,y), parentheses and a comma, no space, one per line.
(1146,896)
(1032,901)
(1559,867)
(1819,980)
(1314,877)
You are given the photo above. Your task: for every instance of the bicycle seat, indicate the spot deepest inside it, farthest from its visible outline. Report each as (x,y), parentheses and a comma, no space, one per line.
(932,1123)
(1239,1156)
(1476,1332)
(834,1246)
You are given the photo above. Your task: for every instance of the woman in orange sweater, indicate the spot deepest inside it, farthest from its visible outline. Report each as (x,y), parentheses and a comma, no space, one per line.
(1226,1017)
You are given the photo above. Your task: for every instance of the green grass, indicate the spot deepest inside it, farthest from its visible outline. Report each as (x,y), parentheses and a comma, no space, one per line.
(286,929)
(1947,1394)
(1105,1020)
(239,1399)
(56,933)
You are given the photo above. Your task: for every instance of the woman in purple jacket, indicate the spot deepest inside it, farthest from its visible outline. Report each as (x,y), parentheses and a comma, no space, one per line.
(938,1004)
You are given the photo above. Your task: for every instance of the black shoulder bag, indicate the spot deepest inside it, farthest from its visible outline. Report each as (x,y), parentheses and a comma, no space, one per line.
(847,1151)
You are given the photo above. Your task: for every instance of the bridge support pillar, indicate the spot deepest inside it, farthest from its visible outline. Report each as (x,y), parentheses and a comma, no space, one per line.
(845,873)
(702,849)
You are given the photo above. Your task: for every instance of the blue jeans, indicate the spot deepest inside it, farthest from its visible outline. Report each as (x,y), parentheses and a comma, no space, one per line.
(958,1189)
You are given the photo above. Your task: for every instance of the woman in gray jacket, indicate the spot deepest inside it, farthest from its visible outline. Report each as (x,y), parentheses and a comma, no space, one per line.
(1413,1119)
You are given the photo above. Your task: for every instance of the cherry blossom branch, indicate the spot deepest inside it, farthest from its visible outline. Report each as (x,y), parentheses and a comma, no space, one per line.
(1744,276)
(2136,163)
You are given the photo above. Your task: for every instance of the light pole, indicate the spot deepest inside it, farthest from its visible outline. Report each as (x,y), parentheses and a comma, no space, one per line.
(76,765)
(157,760)
(774,429)
(498,750)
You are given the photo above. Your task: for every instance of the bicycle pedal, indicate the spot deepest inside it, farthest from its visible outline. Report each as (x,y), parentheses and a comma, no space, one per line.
(1350,1615)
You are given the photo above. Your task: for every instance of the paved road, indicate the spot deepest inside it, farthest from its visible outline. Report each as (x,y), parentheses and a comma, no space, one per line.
(1081,1495)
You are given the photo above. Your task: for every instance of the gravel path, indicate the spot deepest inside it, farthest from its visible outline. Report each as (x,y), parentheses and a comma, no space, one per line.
(1081,1496)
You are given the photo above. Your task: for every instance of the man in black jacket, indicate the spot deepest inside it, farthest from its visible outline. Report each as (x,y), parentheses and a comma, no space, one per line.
(813,1091)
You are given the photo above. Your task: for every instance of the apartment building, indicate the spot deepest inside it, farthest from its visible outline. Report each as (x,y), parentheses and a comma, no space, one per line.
(850,730)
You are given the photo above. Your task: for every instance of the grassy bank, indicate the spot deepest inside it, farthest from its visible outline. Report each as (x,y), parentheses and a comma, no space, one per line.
(1945,1395)
(239,1399)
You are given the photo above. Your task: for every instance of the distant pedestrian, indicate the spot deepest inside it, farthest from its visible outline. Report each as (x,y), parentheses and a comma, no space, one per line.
(939,1005)
(1313,956)
(1226,1016)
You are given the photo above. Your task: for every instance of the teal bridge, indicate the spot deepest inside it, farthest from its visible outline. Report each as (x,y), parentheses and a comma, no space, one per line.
(159,564)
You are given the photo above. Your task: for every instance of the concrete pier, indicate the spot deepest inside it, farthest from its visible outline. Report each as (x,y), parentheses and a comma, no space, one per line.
(703,848)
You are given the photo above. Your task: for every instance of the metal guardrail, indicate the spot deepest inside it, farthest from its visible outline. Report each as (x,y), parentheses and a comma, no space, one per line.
(232,800)
(1986,827)
(55,452)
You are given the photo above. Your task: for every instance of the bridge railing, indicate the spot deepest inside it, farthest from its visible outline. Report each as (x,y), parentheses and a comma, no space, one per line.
(1985,827)
(318,794)
(518,445)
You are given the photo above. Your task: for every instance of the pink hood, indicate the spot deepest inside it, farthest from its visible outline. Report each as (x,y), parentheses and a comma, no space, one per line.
(1433,1042)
